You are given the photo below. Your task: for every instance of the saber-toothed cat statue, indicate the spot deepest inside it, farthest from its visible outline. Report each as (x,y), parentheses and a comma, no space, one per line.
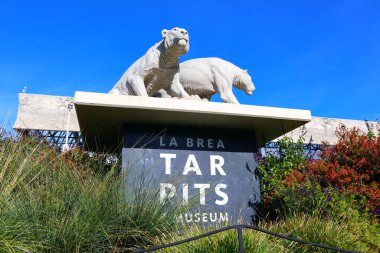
(157,69)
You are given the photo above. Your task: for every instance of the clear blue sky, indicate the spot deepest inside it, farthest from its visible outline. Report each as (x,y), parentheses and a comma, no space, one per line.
(318,55)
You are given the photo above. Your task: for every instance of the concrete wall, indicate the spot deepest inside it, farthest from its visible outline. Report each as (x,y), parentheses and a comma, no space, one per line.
(42,112)
(321,129)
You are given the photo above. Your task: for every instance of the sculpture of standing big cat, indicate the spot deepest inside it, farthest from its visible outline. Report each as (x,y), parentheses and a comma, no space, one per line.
(205,77)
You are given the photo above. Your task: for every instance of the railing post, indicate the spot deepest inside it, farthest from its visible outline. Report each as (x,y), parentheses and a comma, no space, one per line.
(240,237)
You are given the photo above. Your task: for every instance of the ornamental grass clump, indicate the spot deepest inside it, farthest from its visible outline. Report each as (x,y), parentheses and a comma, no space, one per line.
(73,202)
(358,236)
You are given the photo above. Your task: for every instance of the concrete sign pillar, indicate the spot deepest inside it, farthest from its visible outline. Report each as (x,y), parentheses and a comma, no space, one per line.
(213,169)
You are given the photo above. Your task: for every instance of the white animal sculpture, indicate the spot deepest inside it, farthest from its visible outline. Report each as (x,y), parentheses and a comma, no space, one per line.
(158,68)
(206,76)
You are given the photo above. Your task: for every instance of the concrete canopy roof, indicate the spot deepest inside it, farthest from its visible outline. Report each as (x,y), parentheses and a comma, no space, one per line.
(101,117)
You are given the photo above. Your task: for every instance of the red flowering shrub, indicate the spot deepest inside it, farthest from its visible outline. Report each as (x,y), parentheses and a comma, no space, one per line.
(345,177)
(352,166)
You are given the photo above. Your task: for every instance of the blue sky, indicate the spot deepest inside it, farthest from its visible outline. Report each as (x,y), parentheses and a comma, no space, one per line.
(323,56)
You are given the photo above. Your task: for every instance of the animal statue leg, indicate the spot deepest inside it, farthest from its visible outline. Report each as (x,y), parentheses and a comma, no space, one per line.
(138,86)
(206,97)
(162,94)
(176,89)
(225,90)
(230,97)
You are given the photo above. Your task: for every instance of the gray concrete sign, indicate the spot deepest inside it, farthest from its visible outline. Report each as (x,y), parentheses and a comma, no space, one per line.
(213,169)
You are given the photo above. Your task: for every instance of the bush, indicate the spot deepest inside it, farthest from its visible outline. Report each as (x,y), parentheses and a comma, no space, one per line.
(276,165)
(273,169)
(352,165)
(52,202)
(310,198)
(349,170)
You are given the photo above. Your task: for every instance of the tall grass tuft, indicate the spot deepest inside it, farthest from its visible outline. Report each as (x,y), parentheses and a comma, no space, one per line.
(52,202)
(359,236)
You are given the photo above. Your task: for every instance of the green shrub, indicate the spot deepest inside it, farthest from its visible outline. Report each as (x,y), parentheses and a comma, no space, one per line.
(273,169)
(276,165)
(310,198)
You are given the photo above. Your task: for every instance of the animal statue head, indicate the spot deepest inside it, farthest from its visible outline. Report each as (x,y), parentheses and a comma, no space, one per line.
(243,81)
(176,38)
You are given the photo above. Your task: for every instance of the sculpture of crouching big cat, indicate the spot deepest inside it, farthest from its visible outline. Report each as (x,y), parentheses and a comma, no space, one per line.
(157,69)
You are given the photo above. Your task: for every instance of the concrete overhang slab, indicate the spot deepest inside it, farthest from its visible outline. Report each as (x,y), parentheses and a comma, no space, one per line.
(101,117)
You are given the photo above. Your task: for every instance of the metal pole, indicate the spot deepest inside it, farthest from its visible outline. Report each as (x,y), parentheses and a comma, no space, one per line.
(240,237)
(66,146)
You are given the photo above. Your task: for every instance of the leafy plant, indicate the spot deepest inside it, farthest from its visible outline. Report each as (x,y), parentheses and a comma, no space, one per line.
(277,164)
(352,165)
(350,169)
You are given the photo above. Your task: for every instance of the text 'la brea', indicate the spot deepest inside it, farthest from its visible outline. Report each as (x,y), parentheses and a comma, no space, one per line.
(193,143)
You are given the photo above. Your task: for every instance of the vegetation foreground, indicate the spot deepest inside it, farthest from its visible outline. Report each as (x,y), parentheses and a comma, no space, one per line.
(73,202)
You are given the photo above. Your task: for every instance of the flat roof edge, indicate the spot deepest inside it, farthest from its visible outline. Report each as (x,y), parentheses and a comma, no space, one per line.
(189,106)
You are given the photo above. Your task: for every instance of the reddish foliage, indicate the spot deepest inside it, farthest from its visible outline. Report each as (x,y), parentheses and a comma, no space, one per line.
(352,165)
(294,178)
